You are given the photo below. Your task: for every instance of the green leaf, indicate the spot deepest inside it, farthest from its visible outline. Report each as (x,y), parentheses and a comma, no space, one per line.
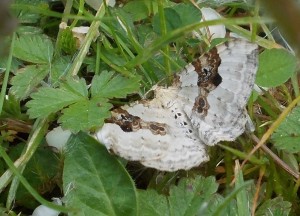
(15,64)
(215,202)
(113,57)
(188,14)
(49,100)
(274,207)
(178,16)
(276,66)
(85,114)
(291,160)
(242,198)
(95,182)
(145,35)
(138,10)
(108,85)
(228,204)
(152,203)
(191,195)
(75,86)
(34,48)
(172,20)
(27,79)
(287,135)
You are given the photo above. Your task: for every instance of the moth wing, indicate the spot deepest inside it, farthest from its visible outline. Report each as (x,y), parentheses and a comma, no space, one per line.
(226,117)
(179,148)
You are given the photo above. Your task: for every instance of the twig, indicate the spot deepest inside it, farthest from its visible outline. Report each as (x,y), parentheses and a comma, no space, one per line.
(273,127)
(277,160)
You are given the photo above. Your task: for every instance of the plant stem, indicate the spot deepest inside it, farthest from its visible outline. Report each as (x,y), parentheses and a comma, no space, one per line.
(163,29)
(87,42)
(6,75)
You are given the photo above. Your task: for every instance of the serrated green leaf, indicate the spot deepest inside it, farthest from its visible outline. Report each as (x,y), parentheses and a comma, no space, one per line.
(287,135)
(191,195)
(90,186)
(75,86)
(276,206)
(34,48)
(152,203)
(85,114)
(276,66)
(108,85)
(215,201)
(27,79)
(49,100)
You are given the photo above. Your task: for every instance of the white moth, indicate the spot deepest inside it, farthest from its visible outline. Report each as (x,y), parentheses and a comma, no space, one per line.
(205,105)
